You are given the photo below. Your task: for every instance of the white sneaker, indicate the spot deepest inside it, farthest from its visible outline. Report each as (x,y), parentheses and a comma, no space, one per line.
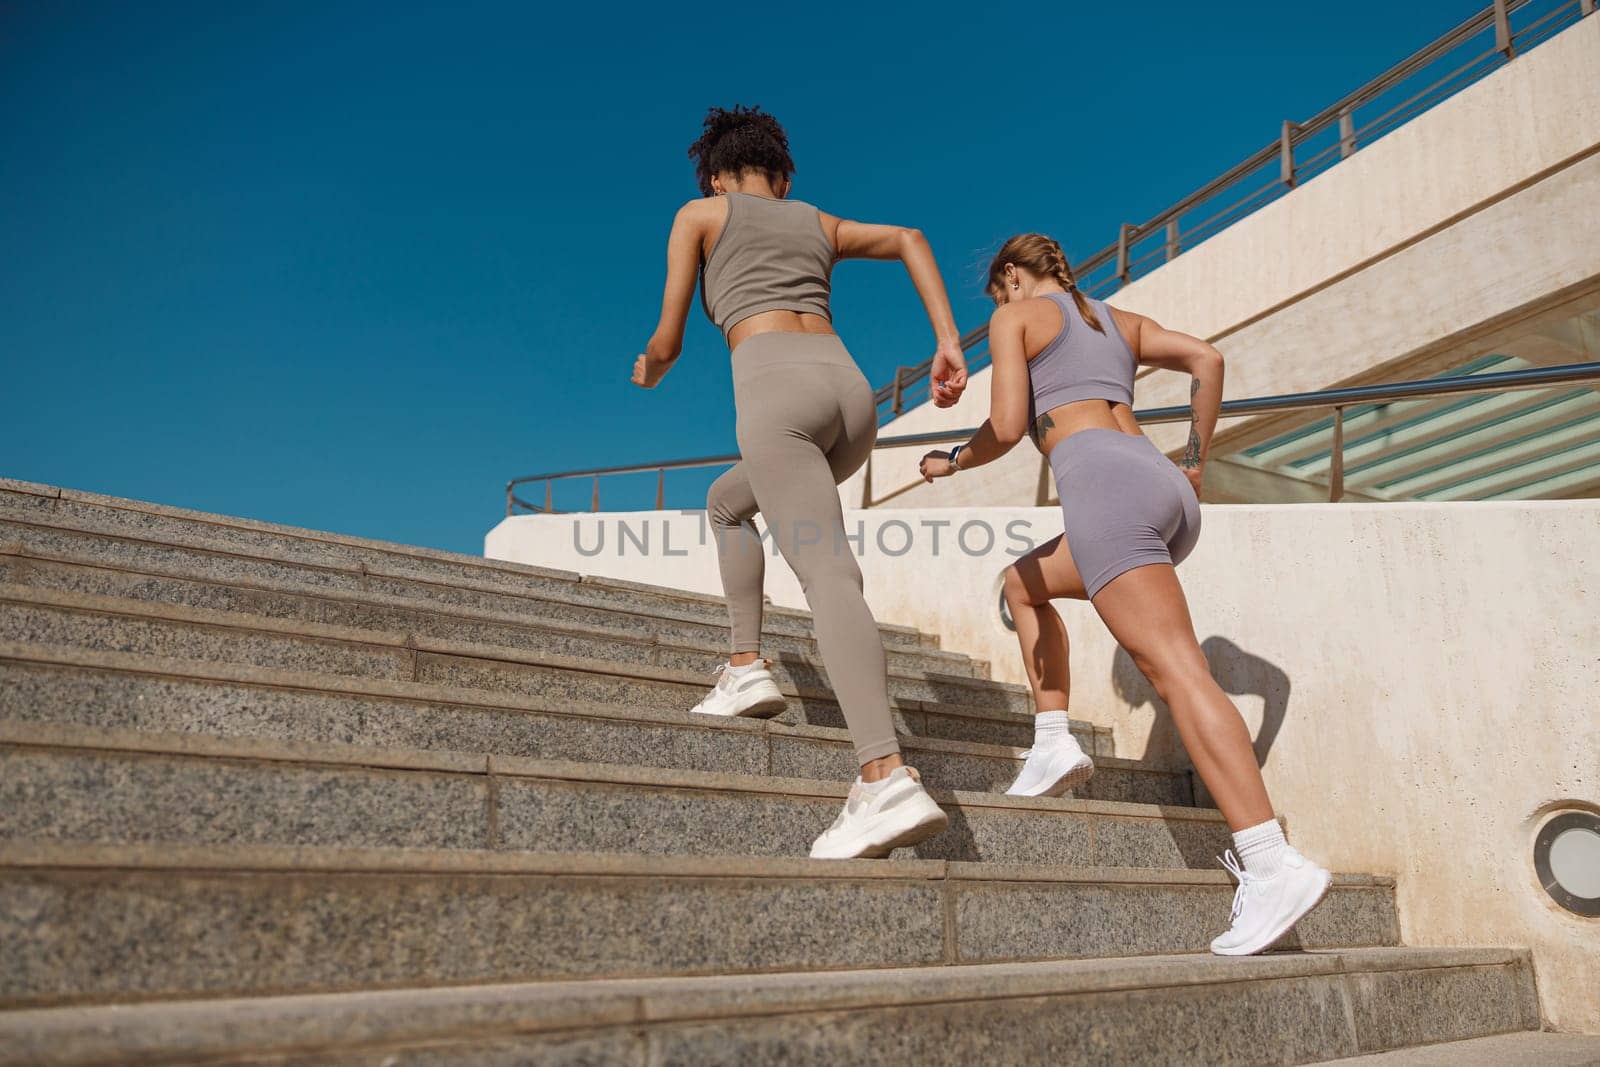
(750,693)
(1264,909)
(874,824)
(1053,770)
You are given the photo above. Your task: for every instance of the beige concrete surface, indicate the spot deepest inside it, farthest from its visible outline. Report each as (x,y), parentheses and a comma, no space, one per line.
(1536,112)
(1420,678)
(1428,240)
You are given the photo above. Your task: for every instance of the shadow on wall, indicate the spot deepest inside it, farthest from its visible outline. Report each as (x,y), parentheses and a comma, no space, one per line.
(1240,673)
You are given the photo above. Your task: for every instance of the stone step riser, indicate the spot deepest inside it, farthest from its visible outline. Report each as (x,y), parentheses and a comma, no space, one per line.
(1301,1020)
(86,934)
(392,657)
(72,561)
(65,695)
(1158,1010)
(795,669)
(539,681)
(118,797)
(92,516)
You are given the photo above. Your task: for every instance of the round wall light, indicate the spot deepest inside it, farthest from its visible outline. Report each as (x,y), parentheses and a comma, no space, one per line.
(1566,856)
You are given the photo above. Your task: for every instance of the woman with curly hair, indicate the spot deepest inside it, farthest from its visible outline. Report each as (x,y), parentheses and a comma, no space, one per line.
(1063,372)
(807,419)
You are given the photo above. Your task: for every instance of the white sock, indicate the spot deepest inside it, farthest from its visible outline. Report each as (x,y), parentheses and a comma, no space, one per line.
(743,667)
(874,788)
(1261,848)
(1050,728)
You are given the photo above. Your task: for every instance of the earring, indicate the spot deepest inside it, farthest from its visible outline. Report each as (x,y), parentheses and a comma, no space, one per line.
(1016,285)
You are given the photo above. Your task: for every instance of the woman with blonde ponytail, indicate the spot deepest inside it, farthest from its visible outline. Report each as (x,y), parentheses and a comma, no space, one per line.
(1063,366)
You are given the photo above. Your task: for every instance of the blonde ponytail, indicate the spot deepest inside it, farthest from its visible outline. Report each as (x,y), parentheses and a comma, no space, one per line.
(1042,255)
(1063,274)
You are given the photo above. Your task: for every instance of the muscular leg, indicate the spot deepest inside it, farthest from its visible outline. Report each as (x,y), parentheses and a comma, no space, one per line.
(730,506)
(1029,585)
(1146,612)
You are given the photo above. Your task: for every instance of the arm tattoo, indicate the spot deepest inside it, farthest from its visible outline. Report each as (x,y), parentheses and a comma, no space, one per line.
(1191,451)
(1041,426)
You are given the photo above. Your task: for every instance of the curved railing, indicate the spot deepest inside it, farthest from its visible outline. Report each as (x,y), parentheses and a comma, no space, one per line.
(1301,151)
(1325,399)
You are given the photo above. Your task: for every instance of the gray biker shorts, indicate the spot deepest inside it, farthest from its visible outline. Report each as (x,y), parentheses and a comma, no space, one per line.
(1125,504)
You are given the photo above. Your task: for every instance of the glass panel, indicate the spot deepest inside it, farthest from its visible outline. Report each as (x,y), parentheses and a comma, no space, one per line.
(1531,444)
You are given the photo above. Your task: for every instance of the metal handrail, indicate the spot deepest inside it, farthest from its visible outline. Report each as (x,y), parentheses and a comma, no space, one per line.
(1322,399)
(1341,115)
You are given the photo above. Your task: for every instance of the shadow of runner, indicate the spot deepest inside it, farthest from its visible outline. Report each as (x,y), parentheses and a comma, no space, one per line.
(1240,673)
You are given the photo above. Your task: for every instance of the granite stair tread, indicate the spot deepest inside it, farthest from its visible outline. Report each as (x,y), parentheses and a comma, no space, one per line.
(726,1017)
(64,686)
(1523,1048)
(68,559)
(94,922)
(956,708)
(74,783)
(52,506)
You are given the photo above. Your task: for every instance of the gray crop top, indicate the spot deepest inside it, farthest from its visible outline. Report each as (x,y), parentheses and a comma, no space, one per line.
(771,255)
(1081,363)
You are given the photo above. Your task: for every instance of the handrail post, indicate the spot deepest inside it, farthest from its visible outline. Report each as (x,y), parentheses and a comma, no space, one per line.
(594,500)
(899,390)
(1502,30)
(1347,134)
(661,488)
(1286,154)
(511,496)
(866,484)
(1173,247)
(549,506)
(1122,253)
(1585,7)
(1336,476)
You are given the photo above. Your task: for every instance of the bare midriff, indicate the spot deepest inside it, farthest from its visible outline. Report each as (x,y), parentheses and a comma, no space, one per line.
(1060,423)
(777,322)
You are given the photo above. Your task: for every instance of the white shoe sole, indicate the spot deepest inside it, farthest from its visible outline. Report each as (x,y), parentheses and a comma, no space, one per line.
(1074,776)
(901,827)
(759,707)
(1313,895)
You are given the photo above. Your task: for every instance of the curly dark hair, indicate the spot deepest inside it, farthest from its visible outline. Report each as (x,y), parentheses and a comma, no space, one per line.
(740,140)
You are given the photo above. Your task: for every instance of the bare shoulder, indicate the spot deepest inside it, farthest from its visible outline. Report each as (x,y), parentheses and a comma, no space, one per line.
(1128,323)
(1034,318)
(704,209)
(830,225)
(1009,317)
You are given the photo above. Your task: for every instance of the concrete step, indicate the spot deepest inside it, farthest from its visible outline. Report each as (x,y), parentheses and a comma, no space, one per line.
(951,708)
(89,562)
(1524,1048)
(130,787)
(1283,1008)
(99,923)
(50,506)
(51,686)
(799,664)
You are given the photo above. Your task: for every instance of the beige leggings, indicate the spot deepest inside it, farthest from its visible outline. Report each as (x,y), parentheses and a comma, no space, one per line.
(807,420)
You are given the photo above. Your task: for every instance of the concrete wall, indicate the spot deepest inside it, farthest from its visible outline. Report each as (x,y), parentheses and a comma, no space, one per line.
(1424,242)
(1421,679)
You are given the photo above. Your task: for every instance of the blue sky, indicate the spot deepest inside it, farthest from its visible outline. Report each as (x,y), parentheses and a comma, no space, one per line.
(351,266)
